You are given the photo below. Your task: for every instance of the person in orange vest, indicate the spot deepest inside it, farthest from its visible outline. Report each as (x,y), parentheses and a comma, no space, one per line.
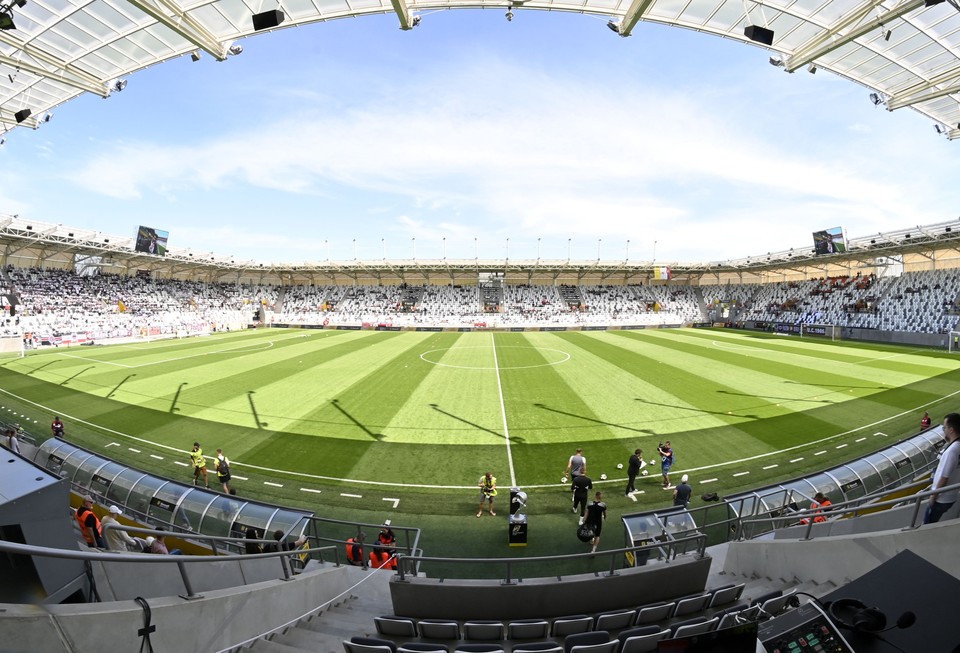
(355,549)
(819,501)
(385,549)
(90,523)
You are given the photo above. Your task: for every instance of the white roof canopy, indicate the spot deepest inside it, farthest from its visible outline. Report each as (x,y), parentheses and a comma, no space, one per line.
(907,53)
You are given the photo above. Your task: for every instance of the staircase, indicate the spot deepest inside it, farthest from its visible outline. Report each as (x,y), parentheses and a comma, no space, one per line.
(350,616)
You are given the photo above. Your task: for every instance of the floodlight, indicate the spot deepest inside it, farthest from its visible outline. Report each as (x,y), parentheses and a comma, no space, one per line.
(416,21)
(812,69)
(235,49)
(195,55)
(777,62)
(118,85)
(509,15)
(6,21)
(614,26)
(876,99)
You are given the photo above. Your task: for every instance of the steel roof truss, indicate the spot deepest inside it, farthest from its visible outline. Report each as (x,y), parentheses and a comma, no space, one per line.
(61,71)
(174,17)
(403,13)
(837,34)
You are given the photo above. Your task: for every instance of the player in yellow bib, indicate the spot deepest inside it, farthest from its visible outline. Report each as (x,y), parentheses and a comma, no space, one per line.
(488,490)
(199,464)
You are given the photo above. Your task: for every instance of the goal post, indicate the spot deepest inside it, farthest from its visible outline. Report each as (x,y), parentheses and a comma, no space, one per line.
(953,342)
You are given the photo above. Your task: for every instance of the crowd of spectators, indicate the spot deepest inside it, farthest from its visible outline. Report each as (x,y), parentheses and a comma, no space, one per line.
(56,303)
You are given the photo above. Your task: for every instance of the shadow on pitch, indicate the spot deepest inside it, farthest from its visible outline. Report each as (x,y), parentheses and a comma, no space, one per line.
(359,425)
(595,420)
(697,410)
(117,387)
(792,399)
(474,425)
(68,380)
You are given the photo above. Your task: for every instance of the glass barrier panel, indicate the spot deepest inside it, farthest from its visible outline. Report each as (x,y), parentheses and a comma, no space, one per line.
(119,491)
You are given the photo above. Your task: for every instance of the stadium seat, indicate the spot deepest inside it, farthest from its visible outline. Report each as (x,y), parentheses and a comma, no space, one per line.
(725,594)
(732,615)
(641,640)
(760,600)
(654,612)
(538,647)
(396,626)
(479,648)
(690,604)
(368,645)
(439,629)
(604,647)
(774,606)
(528,629)
(615,620)
(696,626)
(571,625)
(422,647)
(596,638)
(485,630)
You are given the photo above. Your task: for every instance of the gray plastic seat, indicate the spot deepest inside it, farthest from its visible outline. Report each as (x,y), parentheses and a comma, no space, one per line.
(654,612)
(571,625)
(725,594)
(368,645)
(616,620)
(528,629)
(538,647)
(422,647)
(703,625)
(582,640)
(396,626)
(483,629)
(439,629)
(691,604)
(642,640)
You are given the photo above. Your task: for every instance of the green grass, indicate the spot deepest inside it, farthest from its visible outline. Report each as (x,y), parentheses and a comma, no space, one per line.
(420,416)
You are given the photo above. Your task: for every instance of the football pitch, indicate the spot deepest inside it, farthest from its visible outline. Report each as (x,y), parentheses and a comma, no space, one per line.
(365,424)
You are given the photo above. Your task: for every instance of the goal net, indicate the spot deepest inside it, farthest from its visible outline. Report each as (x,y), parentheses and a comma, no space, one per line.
(831,331)
(953,342)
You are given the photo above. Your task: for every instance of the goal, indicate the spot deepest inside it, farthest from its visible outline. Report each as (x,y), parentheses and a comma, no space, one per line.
(953,342)
(831,331)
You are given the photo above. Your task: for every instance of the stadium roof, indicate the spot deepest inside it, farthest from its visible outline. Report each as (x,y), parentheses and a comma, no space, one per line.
(906,52)
(37,242)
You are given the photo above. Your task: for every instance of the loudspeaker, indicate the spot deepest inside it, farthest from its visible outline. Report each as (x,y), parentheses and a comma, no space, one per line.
(759,34)
(854,615)
(22,115)
(267,19)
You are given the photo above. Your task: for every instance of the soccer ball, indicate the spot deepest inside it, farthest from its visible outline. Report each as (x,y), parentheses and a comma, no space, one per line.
(619,465)
(603,477)
(645,472)
(563,479)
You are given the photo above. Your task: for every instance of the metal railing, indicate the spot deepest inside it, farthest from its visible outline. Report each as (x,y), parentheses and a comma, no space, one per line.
(854,507)
(666,550)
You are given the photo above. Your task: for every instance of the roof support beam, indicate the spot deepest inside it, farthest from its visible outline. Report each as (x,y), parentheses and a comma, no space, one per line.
(635,12)
(173,16)
(403,13)
(837,34)
(61,71)
(925,92)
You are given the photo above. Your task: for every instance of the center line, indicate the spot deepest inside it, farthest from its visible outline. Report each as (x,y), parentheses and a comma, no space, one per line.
(503,412)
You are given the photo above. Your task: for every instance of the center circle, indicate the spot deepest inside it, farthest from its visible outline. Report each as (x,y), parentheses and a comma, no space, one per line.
(565,357)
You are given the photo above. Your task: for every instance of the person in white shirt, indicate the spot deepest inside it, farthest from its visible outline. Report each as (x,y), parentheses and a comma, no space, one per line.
(948,472)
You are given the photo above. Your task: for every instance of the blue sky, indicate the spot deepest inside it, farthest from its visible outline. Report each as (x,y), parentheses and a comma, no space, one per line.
(355,139)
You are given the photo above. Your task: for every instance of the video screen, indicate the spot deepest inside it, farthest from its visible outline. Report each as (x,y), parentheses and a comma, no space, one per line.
(829,241)
(151,241)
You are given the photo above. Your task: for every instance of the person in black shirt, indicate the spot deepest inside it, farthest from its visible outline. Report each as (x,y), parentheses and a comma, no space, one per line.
(633,468)
(596,513)
(581,484)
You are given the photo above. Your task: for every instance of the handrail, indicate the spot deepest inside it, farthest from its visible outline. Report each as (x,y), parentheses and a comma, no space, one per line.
(916,499)
(180,560)
(673,550)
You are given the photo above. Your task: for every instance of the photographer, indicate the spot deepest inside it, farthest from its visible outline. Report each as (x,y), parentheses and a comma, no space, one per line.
(666,461)
(488,490)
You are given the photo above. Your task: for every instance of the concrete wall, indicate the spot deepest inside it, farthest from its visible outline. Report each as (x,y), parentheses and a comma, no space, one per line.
(548,597)
(215,622)
(843,558)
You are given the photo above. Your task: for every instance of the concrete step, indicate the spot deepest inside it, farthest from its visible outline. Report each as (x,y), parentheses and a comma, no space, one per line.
(267,646)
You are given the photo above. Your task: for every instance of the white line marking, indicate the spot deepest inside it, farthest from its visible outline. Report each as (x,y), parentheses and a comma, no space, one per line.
(503,412)
(709,480)
(796,460)
(859,439)
(307,489)
(352,496)
(396,502)
(133,450)
(820,453)
(881,433)
(177,462)
(840,446)
(273,484)
(239,478)
(771,466)
(153,455)
(114,444)
(741,473)
(881,358)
